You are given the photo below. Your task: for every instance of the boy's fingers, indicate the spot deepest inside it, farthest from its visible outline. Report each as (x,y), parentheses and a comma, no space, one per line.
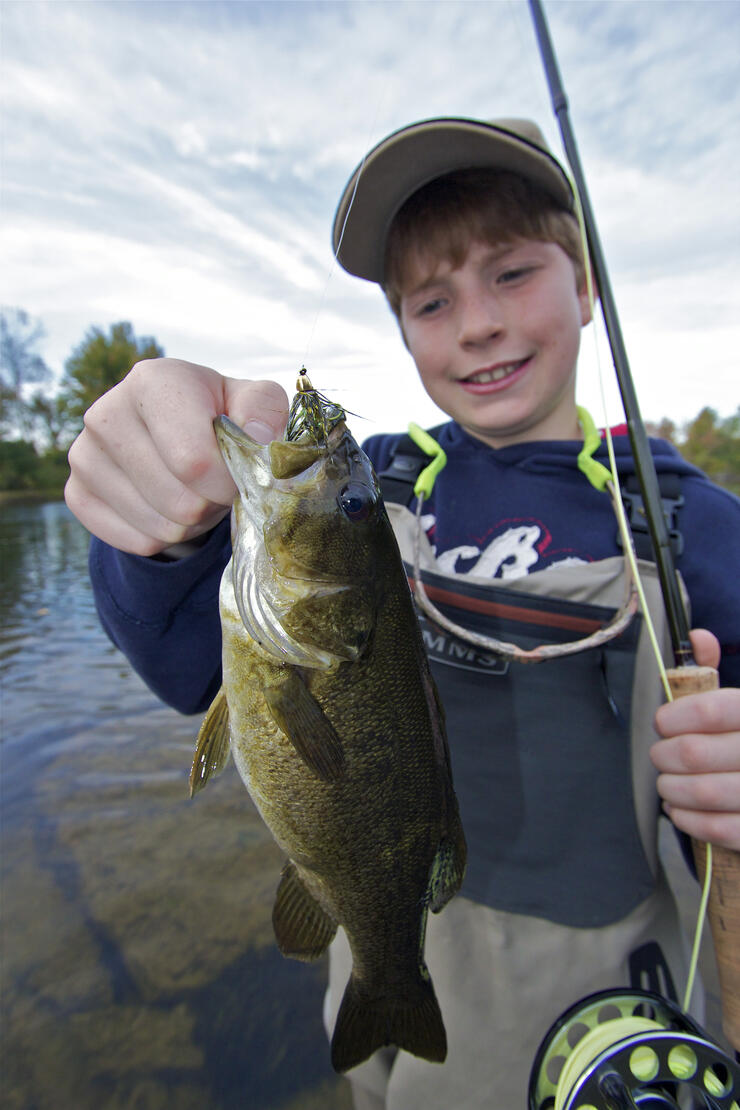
(262,403)
(698,754)
(146,471)
(706,647)
(104,499)
(718,828)
(112,507)
(712,793)
(106,523)
(175,406)
(125,471)
(714,712)
(178,404)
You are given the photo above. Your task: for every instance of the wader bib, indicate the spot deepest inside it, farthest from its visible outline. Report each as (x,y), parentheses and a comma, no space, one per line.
(564,893)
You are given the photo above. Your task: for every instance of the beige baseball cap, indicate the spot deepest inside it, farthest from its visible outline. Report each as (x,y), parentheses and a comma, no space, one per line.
(416,155)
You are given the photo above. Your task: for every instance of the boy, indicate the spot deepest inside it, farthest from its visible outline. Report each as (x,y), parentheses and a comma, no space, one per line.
(469,229)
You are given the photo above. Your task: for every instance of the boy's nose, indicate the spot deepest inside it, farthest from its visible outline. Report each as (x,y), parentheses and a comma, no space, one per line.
(480,321)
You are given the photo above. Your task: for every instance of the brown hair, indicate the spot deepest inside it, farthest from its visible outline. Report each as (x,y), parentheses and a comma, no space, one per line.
(440,220)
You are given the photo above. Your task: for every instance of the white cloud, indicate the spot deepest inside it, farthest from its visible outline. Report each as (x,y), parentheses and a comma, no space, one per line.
(267,251)
(178,165)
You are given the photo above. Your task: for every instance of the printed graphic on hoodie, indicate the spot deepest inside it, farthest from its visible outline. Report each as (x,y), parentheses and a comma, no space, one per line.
(509,550)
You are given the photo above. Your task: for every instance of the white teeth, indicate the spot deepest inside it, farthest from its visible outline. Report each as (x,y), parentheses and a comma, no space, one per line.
(495,375)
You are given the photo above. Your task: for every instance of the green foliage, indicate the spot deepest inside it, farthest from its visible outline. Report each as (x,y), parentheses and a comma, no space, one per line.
(20,365)
(99,363)
(710,442)
(18,463)
(22,467)
(713,444)
(50,418)
(36,429)
(52,470)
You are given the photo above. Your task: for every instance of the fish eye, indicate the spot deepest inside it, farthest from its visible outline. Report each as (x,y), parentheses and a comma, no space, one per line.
(355,501)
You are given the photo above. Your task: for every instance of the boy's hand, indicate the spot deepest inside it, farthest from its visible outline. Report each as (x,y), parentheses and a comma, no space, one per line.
(699,757)
(146,471)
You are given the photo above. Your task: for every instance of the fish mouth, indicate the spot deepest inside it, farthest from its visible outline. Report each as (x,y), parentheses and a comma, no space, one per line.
(244,457)
(499,372)
(227,432)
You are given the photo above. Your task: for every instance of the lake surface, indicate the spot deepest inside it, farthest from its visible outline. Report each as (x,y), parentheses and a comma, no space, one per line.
(139,969)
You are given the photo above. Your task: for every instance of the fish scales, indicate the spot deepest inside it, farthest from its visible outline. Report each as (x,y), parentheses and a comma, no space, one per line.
(331,714)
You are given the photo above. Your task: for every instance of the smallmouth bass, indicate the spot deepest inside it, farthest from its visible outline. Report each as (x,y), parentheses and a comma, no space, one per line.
(331,713)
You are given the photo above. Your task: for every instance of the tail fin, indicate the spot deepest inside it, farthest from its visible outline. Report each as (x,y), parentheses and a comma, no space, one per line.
(412,1020)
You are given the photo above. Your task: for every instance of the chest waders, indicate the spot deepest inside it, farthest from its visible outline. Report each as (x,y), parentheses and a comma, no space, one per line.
(564,893)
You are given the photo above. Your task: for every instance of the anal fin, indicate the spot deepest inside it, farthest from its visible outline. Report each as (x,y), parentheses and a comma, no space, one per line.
(212,747)
(303,929)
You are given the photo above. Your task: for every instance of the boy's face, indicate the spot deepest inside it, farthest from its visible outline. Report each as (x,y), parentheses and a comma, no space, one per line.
(496,340)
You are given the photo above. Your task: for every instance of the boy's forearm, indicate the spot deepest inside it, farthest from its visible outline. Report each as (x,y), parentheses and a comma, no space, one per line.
(163,615)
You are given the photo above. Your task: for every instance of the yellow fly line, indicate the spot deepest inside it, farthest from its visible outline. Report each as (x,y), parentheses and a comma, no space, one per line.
(631,557)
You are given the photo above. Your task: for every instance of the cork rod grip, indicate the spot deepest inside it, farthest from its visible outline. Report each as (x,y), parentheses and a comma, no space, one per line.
(724,896)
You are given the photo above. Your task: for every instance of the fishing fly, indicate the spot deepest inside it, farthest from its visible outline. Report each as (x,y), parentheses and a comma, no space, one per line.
(312,416)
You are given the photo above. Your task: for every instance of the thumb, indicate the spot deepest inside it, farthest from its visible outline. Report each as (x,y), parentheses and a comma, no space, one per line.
(706,648)
(260,408)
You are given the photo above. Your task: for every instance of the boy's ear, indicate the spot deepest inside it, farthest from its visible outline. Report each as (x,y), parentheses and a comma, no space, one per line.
(583,298)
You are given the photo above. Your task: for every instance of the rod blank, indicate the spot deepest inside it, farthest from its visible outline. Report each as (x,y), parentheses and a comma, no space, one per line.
(644,464)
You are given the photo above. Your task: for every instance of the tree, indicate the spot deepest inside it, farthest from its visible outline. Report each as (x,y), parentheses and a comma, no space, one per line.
(666,429)
(18,465)
(710,442)
(100,362)
(20,365)
(51,419)
(713,444)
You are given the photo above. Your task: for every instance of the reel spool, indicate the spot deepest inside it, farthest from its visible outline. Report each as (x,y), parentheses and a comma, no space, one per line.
(629,1049)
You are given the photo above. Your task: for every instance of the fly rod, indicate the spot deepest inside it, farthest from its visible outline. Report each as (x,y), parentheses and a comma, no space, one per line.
(644,465)
(685,678)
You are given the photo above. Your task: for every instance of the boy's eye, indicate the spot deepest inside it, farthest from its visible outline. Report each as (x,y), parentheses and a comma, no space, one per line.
(430,307)
(510,277)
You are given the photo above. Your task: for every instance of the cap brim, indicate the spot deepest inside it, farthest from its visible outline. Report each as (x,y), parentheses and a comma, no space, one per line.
(414,156)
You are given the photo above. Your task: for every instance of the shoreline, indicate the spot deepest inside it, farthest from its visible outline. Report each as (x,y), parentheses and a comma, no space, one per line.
(29,496)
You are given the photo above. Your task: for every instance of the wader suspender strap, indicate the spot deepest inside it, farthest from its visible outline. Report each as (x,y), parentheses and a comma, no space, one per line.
(408,460)
(671,498)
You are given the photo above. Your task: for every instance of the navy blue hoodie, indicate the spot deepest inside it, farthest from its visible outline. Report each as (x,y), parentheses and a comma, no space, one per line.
(502,513)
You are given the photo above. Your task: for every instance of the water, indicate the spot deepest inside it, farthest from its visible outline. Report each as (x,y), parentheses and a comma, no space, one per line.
(137,959)
(138,964)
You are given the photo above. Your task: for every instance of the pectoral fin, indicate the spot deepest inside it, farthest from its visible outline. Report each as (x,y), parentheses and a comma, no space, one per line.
(296,711)
(303,929)
(340,621)
(212,747)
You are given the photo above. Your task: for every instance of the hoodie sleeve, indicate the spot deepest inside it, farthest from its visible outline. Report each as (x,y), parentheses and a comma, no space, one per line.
(164,616)
(710,524)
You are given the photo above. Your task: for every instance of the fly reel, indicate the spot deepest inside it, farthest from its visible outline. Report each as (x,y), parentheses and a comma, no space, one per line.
(629,1049)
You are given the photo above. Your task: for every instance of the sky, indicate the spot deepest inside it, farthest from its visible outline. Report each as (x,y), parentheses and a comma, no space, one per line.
(178,165)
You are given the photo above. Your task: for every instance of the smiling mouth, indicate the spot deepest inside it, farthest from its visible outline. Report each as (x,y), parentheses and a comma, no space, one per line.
(495,373)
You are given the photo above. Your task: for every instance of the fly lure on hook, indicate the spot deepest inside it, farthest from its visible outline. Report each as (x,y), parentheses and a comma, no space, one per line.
(312,416)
